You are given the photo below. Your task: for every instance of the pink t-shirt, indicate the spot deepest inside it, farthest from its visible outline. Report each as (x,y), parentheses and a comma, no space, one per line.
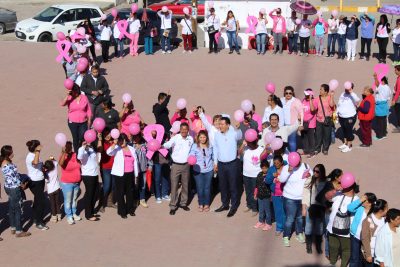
(328,109)
(128,161)
(197,124)
(279,25)
(128,120)
(308,116)
(78,112)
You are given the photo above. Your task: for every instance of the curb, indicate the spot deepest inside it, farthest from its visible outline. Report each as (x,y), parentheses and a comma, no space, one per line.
(350,9)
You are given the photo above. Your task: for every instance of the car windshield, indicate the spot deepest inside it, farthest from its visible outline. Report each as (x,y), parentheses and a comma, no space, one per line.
(190,2)
(48,14)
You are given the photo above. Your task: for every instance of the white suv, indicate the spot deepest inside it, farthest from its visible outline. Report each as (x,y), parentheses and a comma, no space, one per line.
(58,18)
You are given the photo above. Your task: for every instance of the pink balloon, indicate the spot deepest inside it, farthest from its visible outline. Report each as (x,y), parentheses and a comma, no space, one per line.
(298,21)
(126,98)
(60,36)
(99,124)
(81,67)
(103,17)
(153,145)
(347,180)
(294,159)
(333,84)
(97,46)
(60,139)
(186,10)
(81,31)
(276,144)
(192,160)
(181,103)
(239,115)
(134,129)
(246,105)
(335,13)
(134,8)
(89,136)
(347,85)
(269,137)
(84,61)
(270,88)
(68,84)
(175,127)
(164,9)
(114,12)
(250,135)
(115,133)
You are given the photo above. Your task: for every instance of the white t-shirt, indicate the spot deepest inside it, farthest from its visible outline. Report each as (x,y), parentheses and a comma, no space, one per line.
(261,27)
(186,26)
(291,25)
(213,20)
(383,93)
(166,20)
(106,33)
(333,26)
(396,35)
(347,105)
(53,183)
(116,31)
(278,111)
(295,181)
(134,25)
(379,223)
(304,31)
(231,25)
(89,164)
(342,29)
(343,208)
(252,161)
(34,172)
(382,32)
(396,247)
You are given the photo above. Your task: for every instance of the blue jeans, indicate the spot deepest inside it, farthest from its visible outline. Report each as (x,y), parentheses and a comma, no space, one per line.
(314,226)
(118,47)
(148,45)
(264,211)
(331,43)
(108,182)
(14,207)
(249,186)
(292,43)
(165,41)
(260,40)
(293,210)
(70,192)
(232,40)
(342,45)
(355,259)
(142,185)
(279,212)
(161,174)
(396,52)
(203,187)
(292,140)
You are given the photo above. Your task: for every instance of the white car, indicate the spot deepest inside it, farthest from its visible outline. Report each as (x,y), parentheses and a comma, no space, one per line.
(58,18)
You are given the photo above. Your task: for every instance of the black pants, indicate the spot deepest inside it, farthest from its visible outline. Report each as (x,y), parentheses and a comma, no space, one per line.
(37,189)
(93,52)
(105,47)
(228,183)
(55,204)
(397,112)
(381,126)
(124,191)
(77,132)
(91,183)
(347,125)
(308,140)
(382,44)
(304,44)
(323,135)
(366,42)
(212,43)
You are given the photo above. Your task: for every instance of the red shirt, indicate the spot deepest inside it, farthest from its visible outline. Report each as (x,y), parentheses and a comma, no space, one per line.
(71,170)
(106,161)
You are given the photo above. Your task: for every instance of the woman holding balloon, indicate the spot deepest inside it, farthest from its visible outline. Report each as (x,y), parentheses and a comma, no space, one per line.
(134,27)
(79,114)
(108,114)
(128,115)
(325,107)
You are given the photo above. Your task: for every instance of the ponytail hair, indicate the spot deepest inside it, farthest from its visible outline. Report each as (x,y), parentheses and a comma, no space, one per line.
(32,145)
(6,152)
(377,206)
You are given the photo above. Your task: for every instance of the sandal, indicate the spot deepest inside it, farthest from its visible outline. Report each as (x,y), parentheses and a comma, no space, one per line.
(200,209)
(206,208)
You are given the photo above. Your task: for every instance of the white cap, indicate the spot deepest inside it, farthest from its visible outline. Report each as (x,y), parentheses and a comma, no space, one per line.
(225,116)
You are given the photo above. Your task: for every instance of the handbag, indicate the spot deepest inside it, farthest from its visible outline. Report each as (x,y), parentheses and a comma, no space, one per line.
(341,222)
(211,29)
(327,120)
(315,211)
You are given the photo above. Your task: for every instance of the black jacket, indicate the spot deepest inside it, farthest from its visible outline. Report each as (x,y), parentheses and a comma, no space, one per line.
(357,23)
(147,27)
(161,114)
(263,190)
(88,85)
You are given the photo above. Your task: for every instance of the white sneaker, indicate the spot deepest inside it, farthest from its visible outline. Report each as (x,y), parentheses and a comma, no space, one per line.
(163,52)
(169,51)
(158,200)
(190,51)
(166,198)
(342,146)
(353,58)
(346,149)
(77,218)
(348,58)
(70,221)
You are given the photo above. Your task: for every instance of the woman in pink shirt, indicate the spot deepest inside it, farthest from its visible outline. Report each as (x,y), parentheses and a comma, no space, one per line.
(309,123)
(129,115)
(180,115)
(79,115)
(278,29)
(396,99)
(325,108)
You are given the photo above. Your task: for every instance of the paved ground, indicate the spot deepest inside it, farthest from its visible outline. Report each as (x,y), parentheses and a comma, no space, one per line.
(32,87)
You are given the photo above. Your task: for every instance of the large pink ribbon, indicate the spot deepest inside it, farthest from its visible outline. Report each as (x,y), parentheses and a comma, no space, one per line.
(76,36)
(159,137)
(381,70)
(251,22)
(122,27)
(63,52)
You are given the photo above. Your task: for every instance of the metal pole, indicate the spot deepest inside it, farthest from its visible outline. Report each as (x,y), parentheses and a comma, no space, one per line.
(194,19)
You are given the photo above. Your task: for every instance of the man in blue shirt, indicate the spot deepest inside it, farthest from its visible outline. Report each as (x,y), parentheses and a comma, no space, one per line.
(226,163)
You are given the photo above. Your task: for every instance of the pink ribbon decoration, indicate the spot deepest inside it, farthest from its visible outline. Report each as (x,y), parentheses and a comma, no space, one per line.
(159,137)
(63,53)
(255,160)
(122,27)
(76,36)
(251,22)
(381,70)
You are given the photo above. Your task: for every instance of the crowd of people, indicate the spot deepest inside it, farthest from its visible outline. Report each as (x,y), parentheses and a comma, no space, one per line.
(260,155)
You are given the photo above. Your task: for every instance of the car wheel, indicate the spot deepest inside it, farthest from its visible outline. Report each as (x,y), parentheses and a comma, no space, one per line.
(2,28)
(45,37)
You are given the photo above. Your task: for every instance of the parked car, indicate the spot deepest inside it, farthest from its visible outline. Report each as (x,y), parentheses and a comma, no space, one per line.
(153,17)
(176,6)
(8,20)
(58,18)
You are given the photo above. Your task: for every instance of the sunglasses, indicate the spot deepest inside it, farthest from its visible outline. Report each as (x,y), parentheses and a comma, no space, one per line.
(316,171)
(288,93)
